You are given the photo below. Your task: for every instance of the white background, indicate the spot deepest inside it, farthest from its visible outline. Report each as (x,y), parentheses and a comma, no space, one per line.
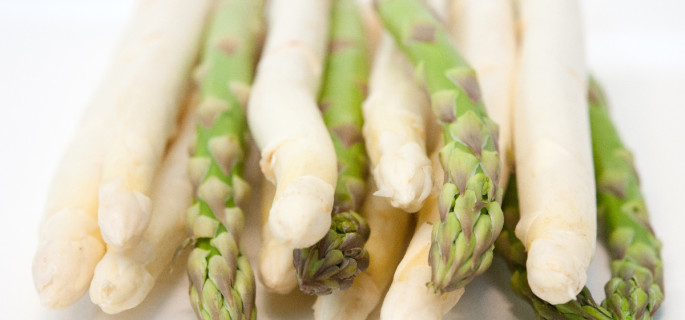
(53,53)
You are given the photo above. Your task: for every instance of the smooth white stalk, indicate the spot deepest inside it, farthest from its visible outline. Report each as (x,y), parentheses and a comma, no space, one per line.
(275,265)
(153,71)
(390,227)
(485,34)
(409,297)
(297,151)
(123,278)
(395,116)
(553,150)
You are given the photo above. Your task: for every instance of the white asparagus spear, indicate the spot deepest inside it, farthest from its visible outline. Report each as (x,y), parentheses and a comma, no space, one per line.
(408,296)
(553,150)
(395,116)
(297,151)
(389,227)
(153,68)
(123,278)
(275,265)
(484,31)
(70,244)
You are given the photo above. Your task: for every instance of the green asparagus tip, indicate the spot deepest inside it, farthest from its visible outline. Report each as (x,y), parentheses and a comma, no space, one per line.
(335,260)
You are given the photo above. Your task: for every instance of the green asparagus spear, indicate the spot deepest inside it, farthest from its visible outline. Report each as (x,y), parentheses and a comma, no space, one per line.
(470,214)
(222,282)
(512,250)
(635,290)
(335,260)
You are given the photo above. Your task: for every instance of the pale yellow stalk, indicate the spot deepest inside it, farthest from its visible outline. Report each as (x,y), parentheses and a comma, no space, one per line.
(297,151)
(553,150)
(153,72)
(395,115)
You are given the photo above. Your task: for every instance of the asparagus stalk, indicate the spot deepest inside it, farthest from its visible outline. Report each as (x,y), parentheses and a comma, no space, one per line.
(222,282)
(635,290)
(334,261)
(509,247)
(470,216)
(297,153)
(395,130)
(123,278)
(553,150)
(159,55)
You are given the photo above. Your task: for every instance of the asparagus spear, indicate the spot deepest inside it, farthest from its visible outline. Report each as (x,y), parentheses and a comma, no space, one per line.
(334,261)
(635,290)
(222,282)
(148,92)
(124,278)
(395,124)
(297,153)
(470,216)
(509,247)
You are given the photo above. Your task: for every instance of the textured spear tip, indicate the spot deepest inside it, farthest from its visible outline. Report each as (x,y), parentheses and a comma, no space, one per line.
(123,214)
(64,262)
(404,177)
(337,259)
(300,216)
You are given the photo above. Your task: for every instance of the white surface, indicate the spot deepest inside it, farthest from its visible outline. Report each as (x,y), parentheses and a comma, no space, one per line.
(53,53)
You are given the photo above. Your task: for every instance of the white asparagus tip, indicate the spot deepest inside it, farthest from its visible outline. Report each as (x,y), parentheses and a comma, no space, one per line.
(123,214)
(556,273)
(66,257)
(409,297)
(276,269)
(355,303)
(119,284)
(301,215)
(404,177)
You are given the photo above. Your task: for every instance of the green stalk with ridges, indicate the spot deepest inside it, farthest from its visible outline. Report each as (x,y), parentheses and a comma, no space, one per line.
(335,260)
(635,290)
(470,214)
(222,281)
(511,249)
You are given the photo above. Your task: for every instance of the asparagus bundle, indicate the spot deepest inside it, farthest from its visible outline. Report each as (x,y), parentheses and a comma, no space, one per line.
(335,260)
(470,216)
(635,290)
(148,74)
(297,151)
(222,282)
